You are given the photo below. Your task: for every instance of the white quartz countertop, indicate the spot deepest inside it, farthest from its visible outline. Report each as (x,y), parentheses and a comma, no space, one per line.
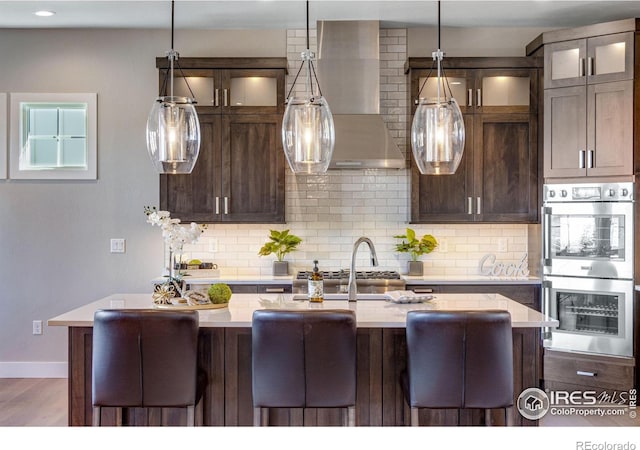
(369,313)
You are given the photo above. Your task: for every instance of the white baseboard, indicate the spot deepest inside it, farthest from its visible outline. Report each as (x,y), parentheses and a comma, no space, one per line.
(33,370)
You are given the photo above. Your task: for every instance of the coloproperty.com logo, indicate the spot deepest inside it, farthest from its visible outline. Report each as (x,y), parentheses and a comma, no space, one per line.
(534,403)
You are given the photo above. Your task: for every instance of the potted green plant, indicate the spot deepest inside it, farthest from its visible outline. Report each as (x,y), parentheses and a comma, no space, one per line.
(280,243)
(415,247)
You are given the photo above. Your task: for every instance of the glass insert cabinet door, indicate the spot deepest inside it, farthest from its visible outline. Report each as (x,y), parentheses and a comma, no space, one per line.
(594,60)
(230,89)
(53,136)
(490,90)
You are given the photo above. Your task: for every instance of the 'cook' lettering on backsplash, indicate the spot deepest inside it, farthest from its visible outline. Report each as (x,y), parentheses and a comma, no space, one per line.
(490,267)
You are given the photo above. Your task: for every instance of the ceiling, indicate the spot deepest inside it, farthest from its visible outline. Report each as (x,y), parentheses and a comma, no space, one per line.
(279,14)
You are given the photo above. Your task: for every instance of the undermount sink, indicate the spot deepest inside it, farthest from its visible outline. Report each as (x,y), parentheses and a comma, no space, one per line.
(343,297)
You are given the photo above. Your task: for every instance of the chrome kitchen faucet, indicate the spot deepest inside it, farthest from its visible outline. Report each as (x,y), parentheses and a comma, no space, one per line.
(353,288)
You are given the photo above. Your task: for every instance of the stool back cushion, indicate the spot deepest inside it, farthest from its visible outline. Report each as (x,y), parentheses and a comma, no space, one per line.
(460,359)
(304,358)
(144,358)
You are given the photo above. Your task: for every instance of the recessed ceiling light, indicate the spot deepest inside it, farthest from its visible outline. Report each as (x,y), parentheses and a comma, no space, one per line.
(44,13)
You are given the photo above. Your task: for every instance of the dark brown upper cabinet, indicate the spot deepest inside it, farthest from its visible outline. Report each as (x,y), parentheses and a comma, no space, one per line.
(497,180)
(240,173)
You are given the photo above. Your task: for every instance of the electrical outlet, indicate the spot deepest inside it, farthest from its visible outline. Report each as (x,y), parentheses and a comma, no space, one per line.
(37,327)
(502,244)
(443,245)
(117,245)
(213,245)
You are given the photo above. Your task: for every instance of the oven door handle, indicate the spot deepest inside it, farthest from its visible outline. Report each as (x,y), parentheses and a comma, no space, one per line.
(546,236)
(546,306)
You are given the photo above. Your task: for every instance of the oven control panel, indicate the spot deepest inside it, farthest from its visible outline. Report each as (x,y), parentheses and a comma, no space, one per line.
(592,192)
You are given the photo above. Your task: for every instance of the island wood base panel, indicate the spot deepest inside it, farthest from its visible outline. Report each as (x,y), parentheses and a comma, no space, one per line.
(225,353)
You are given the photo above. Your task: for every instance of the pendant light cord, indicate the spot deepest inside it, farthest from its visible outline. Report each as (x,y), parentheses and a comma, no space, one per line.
(308,45)
(439,47)
(173,8)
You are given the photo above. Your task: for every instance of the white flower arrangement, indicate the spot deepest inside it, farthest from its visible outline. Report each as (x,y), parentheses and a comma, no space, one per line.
(175,235)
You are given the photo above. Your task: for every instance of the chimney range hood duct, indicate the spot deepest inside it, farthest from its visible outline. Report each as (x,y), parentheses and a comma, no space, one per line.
(349,74)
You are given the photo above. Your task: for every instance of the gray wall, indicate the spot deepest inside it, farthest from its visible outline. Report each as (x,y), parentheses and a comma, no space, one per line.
(54,236)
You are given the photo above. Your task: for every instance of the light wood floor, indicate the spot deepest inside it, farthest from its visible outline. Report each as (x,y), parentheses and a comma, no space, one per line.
(39,402)
(27,402)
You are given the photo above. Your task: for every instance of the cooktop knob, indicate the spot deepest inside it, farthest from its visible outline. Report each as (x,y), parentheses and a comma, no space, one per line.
(612,193)
(552,193)
(624,192)
(563,193)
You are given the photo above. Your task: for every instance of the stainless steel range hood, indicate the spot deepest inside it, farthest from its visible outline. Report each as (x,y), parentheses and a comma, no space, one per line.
(349,73)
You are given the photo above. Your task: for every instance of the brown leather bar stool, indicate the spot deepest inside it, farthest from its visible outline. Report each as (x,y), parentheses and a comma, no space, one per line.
(145,358)
(459,359)
(304,359)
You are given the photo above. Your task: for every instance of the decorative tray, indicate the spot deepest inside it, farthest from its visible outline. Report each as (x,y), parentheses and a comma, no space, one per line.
(407,297)
(185,307)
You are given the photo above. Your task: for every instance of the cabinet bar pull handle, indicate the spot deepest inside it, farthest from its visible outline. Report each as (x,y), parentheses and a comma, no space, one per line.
(217,205)
(586,374)
(274,290)
(469,205)
(546,233)
(589,66)
(479,97)
(216,97)
(226,205)
(226,97)
(581,67)
(479,205)
(470,97)
(423,290)
(590,159)
(581,157)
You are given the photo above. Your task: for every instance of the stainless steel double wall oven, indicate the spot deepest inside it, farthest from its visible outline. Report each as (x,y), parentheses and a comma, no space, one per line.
(587,255)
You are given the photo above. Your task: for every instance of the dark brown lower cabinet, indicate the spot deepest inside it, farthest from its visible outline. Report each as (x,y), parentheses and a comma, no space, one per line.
(225,353)
(261,288)
(582,372)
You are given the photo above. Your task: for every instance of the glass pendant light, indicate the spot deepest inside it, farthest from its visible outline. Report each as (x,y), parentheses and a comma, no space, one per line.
(308,134)
(437,131)
(173,128)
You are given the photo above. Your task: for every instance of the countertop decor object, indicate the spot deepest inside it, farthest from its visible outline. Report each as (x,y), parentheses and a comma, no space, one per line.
(175,236)
(173,127)
(308,132)
(186,307)
(280,243)
(415,247)
(437,131)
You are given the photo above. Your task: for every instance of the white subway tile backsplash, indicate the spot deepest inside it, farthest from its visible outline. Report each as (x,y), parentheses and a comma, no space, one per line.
(331,211)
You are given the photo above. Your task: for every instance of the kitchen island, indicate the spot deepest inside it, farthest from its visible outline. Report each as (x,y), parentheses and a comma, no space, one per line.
(225,353)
